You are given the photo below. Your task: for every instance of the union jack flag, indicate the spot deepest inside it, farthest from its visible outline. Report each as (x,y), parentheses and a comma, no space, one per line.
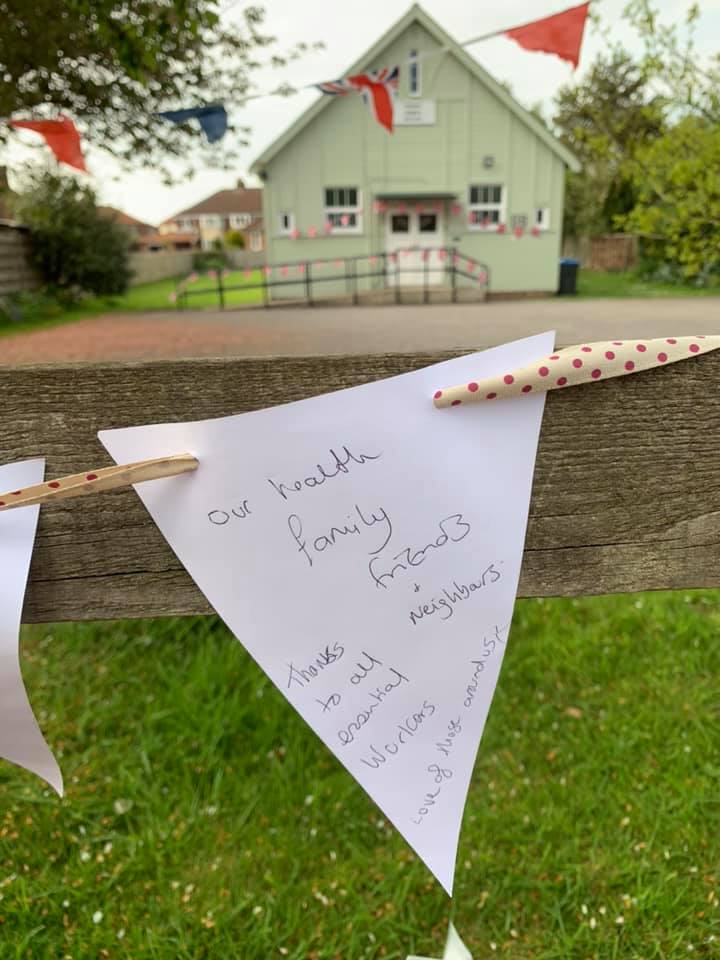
(377,86)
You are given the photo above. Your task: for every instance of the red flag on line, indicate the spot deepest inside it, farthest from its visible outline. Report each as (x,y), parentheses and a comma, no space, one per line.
(560,34)
(378,86)
(61,136)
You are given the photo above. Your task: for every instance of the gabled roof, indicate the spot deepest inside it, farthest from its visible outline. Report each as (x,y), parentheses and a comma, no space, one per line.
(119,216)
(416,14)
(239,200)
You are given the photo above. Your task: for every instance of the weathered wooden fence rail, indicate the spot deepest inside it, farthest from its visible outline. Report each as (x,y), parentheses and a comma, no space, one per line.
(626,493)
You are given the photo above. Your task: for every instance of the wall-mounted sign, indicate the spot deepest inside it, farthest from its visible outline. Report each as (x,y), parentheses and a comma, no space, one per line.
(415,113)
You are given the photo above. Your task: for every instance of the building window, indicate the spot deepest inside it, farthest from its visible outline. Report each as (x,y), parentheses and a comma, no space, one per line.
(414,78)
(287,223)
(542,218)
(487,206)
(343,210)
(240,220)
(400,223)
(255,241)
(212,221)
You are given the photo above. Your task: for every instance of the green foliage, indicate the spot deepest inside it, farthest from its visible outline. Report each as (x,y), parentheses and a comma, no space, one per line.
(235,238)
(74,247)
(602,120)
(214,259)
(113,64)
(684,78)
(203,819)
(677,209)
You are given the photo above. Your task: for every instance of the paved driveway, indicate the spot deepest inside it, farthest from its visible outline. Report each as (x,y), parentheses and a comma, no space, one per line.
(369,329)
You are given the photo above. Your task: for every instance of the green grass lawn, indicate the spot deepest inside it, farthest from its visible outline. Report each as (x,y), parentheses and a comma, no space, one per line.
(594,283)
(203,819)
(145,296)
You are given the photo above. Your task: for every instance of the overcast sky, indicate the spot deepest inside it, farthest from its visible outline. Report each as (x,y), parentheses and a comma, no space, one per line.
(348,28)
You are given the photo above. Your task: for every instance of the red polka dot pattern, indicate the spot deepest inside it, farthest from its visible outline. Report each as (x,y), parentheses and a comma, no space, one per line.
(615,358)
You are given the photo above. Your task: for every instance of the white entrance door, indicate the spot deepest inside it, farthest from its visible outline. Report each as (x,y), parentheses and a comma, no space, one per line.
(413,235)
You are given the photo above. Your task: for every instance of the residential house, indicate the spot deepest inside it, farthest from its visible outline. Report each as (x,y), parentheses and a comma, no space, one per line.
(467,167)
(238,209)
(136,228)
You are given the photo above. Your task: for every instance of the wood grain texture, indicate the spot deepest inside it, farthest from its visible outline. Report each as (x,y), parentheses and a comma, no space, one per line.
(626,493)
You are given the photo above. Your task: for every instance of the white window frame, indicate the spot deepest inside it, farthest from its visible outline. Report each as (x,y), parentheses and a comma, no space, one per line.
(541,218)
(211,221)
(240,220)
(414,66)
(485,208)
(333,212)
(255,242)
(286,228)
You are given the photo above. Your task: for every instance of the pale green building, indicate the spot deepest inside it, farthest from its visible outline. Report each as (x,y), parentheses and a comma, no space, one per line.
(467,169)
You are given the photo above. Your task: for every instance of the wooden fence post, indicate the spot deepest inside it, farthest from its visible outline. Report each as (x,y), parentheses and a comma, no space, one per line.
(625,496)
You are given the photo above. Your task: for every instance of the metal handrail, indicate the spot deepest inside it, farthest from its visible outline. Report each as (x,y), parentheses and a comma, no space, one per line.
(390,269)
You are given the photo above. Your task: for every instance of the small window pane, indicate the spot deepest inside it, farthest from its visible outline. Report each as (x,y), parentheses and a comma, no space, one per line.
(428,222)
(400,223)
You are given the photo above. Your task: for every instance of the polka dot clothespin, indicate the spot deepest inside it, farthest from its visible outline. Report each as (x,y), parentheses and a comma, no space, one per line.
(583,363)
(98,481)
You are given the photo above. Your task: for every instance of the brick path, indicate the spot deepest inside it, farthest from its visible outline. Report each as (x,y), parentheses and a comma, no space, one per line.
(370,329)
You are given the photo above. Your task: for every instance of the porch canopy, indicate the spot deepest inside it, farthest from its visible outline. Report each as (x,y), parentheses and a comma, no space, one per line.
(424,194)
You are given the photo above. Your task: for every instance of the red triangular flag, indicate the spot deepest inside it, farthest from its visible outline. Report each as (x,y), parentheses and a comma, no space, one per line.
(560,34)
(61,136)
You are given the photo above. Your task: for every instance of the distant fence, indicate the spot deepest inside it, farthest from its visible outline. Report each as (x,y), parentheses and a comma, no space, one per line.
(148,267)
(613,251)
(242,259)
(412,274)
(16,272)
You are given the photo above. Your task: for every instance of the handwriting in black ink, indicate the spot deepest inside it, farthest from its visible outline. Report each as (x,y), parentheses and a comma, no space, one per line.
(220,517)
(439,776)
(453,529)
(446,603)
(357,524)
(302,676)
(341,464)
(402,734)
(346,734)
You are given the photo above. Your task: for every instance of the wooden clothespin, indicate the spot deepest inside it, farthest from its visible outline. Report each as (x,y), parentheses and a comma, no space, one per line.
(99,481)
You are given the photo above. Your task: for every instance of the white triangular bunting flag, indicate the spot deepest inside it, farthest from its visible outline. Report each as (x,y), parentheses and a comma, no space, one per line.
(365,548)
(455,949)
(21,740)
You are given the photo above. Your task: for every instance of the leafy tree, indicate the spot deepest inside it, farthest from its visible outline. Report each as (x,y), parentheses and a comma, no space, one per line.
(687,81)
(235,238)
(677,207)
(111,64)
(75,248)
(603,120)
